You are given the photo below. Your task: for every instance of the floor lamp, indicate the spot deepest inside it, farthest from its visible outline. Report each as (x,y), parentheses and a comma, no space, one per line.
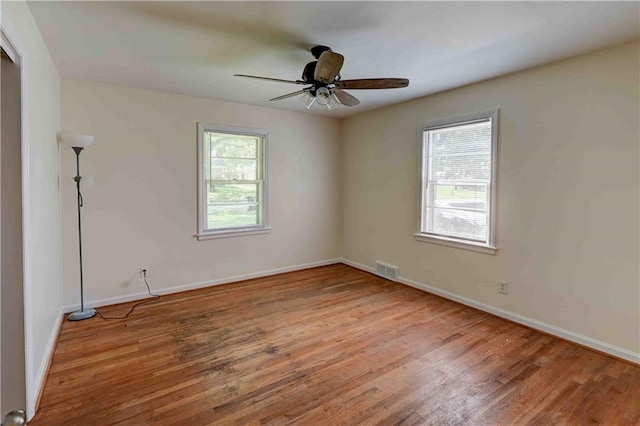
(78,143)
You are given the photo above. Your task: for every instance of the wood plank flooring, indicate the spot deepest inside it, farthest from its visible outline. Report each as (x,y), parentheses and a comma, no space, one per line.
(325,346)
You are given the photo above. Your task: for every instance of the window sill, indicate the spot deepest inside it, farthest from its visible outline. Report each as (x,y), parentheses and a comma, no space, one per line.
(481,248)
(231,233)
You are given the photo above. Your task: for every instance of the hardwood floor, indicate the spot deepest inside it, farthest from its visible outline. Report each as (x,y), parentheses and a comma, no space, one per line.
(325,346)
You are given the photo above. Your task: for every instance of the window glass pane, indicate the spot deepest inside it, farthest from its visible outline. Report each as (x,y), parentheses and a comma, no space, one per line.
(462,167)
(461,153)
(232,216)
(232,193)
(469,196)
(460,223)
(233,169)
(462,139)
(458,211)
(232,146)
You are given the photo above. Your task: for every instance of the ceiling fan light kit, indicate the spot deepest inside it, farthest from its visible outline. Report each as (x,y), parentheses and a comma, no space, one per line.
(326,98)
(325,86)
(307,99)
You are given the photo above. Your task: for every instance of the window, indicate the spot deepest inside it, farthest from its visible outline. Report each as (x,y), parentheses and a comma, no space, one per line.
(458,182)
(232,181)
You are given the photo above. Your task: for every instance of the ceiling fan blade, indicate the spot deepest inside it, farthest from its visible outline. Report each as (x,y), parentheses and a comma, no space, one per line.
(271,79)
(345,98)
(289,95)
(328,67)
(372,83)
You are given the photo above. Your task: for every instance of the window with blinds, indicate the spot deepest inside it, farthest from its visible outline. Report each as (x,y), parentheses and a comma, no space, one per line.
(458,169)
(232,180)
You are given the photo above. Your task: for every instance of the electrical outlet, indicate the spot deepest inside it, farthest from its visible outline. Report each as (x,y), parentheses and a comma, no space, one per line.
(503,287)
(142,272)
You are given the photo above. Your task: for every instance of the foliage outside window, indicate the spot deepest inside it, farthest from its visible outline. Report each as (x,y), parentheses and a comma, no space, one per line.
(232,181)
(458,181)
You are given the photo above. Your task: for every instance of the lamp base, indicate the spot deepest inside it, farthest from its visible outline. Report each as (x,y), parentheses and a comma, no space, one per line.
(81,315)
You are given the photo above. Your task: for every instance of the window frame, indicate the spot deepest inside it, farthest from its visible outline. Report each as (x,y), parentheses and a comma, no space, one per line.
(204,233)
(490,246)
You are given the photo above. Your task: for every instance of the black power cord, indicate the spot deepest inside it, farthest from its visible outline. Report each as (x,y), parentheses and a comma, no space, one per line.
(144,302)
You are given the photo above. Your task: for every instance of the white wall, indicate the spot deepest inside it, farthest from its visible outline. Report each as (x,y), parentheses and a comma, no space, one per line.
(43,271)
(140,210)
(568,195)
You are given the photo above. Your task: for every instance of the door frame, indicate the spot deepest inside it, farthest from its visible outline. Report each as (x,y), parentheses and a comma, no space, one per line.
(13,46)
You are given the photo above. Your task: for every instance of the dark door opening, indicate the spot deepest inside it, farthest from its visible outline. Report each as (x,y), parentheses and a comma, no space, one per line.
(13,379)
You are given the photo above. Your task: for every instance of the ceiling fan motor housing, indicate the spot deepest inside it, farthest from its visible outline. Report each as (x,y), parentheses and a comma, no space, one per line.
(316,51)
(309,72)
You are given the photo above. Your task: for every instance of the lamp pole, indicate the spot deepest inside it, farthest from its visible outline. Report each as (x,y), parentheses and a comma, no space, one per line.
(82,313)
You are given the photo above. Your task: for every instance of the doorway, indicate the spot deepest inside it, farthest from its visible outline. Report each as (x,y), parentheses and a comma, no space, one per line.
(12,333)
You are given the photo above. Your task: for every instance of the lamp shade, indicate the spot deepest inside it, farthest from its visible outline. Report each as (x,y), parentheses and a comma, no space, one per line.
(307,99)
(322,96)
(77,141)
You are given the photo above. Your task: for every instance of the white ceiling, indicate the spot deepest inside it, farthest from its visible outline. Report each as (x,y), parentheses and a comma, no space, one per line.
(195,47)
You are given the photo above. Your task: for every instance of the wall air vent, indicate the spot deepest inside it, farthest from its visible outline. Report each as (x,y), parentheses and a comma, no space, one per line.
(387,271)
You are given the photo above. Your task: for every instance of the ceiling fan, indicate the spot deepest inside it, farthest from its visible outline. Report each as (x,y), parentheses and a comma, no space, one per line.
(325,85)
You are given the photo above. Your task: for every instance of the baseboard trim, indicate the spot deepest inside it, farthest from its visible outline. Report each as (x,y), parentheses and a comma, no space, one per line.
(360,266)
(193,286)
(559,332)
(43,371)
